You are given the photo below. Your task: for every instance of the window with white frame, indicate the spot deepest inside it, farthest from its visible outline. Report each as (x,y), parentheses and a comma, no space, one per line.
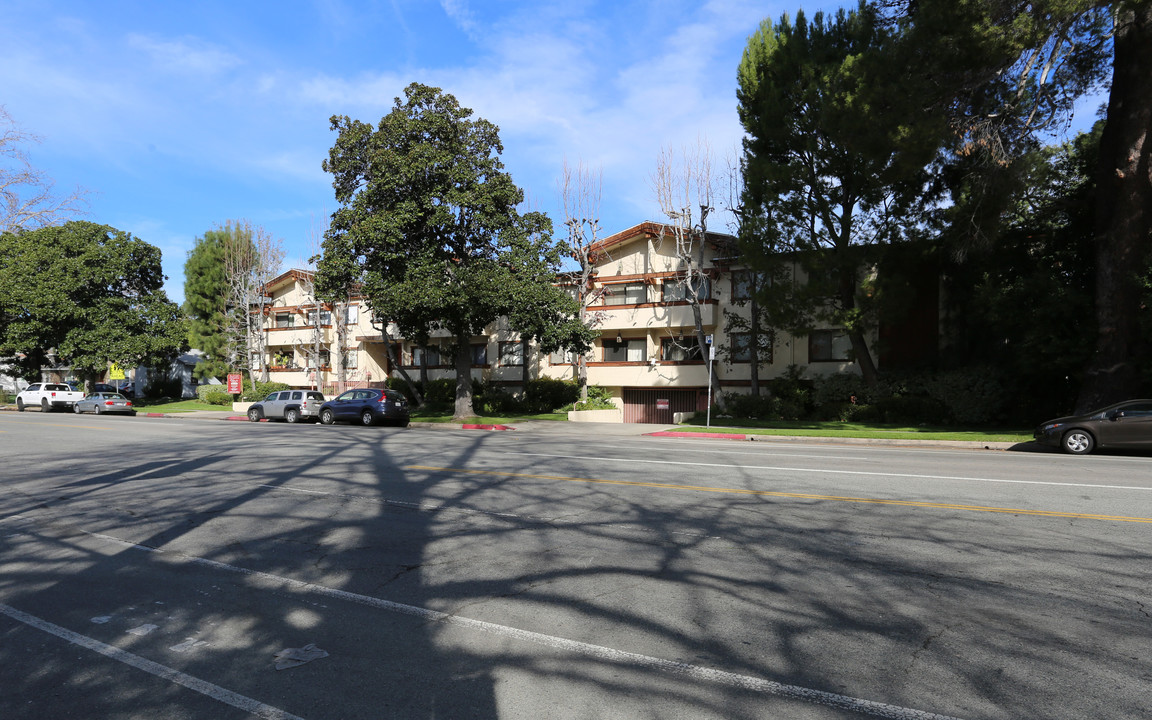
(255,361)
(630,294)
(628,350)
(511,353)
(351,313)
(829,346)
(350,359)
(744,282)
(676,289)
(431,355)
(285,320)
(562,357)
(684,349)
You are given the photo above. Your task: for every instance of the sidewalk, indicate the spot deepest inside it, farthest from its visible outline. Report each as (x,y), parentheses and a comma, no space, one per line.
(628,430)
(640,429)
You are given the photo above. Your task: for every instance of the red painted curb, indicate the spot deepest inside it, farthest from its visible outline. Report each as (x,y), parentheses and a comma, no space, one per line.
(155,415)
(487,427)
(719,436)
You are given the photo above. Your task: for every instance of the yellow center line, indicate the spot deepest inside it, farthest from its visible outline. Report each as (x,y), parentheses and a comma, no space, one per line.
(802,496)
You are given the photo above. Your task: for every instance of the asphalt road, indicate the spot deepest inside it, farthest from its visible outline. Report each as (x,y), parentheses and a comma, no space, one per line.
(156,568)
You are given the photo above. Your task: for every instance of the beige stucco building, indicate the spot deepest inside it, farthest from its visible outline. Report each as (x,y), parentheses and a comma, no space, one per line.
(645,355)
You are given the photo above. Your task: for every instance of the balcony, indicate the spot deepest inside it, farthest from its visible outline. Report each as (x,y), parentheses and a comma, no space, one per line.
(652,316)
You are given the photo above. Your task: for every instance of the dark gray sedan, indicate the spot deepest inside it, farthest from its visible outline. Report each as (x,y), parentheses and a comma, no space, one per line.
(104,402)
(1123,425)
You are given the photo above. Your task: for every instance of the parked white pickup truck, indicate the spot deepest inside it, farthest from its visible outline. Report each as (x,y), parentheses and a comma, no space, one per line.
(49,396)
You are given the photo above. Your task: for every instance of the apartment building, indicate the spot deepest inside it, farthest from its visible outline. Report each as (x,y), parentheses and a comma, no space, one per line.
(646,354)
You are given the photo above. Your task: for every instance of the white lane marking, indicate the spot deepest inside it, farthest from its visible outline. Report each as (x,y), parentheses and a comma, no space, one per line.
(203,687)
(913,476)
(720,677)
(424,507)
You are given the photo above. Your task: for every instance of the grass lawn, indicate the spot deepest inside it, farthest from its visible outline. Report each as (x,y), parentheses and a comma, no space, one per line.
(175,406)
(857,430)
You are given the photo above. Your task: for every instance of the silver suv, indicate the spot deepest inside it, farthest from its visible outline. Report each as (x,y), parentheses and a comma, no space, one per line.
(290,405)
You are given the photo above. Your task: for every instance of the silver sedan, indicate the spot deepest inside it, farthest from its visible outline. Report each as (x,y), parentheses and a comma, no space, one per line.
(104,402)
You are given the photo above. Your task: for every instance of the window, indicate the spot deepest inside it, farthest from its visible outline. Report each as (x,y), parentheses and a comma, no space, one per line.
(741,347)
(677,290)
(325,317)
(625,351)
(631,294)
(480,353)
(828,346)
(272,397)
(296,395)
(562,357)
(325,358)
(285,320)
(351,313)
(350,359)
(511,353)
(684,349)
(254,361)
(431,354)
(742,284)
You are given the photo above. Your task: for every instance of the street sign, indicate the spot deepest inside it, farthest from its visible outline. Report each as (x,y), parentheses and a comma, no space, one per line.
(663,404)
(114,372)
(708,339)
(235,381)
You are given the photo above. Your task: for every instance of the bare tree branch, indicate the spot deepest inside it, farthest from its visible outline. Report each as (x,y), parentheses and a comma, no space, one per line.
(27,197)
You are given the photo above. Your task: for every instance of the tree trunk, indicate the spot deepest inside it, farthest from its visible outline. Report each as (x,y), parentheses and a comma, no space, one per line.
(847,292)
(754,338)
(1123,214)
(463,379)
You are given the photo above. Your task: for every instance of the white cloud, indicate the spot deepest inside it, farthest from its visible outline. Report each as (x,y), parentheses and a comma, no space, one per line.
(188,54)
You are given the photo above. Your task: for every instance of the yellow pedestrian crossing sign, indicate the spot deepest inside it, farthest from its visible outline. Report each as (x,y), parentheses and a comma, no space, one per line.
(114,372)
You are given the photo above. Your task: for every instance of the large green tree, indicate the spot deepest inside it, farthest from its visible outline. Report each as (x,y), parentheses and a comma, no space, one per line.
(838,152)
(206,292)
(1002,70)
(88,293)
(428,224)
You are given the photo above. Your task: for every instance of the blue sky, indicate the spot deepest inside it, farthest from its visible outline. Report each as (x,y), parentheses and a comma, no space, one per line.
(180,116)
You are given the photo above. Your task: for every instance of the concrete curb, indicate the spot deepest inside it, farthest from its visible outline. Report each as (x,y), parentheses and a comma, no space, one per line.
(670,433)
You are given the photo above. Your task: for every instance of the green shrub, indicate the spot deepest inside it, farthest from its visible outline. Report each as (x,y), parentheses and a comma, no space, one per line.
(261,390)
(756,407)
(215,395)
(973,396)
(837,390)
(440,393)
(904,410)
(599,398)
(794,393)
(547,394)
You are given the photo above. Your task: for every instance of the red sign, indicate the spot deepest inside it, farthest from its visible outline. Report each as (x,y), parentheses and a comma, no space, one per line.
(235,383)
(663,404)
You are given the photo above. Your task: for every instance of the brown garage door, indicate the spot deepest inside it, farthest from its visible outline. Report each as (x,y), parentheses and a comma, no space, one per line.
(656,405)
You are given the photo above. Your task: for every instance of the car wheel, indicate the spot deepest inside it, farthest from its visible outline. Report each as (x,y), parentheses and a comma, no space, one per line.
(366,418)
(76,408)
(292,415)
(44,406)
(327,418)
(1078,442)
(19,405)
(98,410)
(254,414)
